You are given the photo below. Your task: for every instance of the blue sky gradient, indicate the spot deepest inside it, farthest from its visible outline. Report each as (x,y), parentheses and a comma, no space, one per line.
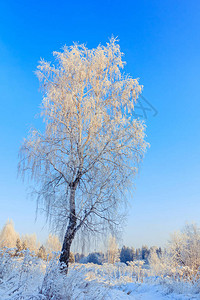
(161,42)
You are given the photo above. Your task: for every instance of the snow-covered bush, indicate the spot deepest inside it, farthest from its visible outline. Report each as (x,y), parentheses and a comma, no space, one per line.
(185,249)
(20,275)
(53,285)
(178,267)
(138,272)
(6,263)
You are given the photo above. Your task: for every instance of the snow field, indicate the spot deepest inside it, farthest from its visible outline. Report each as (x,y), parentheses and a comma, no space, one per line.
(30,278)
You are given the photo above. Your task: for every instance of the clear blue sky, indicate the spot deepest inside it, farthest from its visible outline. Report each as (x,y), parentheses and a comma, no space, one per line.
(161,42)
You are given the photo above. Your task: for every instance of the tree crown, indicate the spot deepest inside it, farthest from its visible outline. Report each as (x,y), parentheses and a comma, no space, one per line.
(91,141)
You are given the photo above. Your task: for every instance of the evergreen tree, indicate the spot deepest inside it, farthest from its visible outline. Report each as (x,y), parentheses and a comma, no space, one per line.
(126,254)
(24,245)
(42,253)
(144,252)
(19,247)
(95,258)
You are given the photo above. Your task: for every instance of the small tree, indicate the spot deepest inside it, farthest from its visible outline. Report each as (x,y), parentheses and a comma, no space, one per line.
(42,253)
(24,245)
(184,247)
(19,247)
(30,242)
(153,259)
(53,244)
(91,148)
(113,251)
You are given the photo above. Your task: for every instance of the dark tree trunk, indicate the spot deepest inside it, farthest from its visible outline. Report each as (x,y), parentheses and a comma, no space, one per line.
(70,232)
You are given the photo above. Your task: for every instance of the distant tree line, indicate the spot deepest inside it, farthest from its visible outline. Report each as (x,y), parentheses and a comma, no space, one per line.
(11,239)
(125,254)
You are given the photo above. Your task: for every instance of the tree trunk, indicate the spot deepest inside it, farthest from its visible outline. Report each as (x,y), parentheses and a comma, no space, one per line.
(70,232)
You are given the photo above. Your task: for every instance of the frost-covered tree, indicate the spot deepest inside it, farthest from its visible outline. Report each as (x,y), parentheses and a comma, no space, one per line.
(113,251)
(91,147)
(184,247)
(30,241)
(53,244)
(8,235)
(154,260)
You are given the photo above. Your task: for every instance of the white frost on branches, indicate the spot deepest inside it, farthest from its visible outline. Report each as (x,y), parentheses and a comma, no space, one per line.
(92,146)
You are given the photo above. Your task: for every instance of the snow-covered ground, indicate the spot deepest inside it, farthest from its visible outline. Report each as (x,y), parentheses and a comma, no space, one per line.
(120,282)
(129,291)
(30,278)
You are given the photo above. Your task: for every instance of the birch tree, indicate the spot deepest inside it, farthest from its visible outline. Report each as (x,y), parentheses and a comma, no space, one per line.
(91,147)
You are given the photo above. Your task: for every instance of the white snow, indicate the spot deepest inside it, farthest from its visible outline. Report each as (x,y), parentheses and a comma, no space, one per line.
(30,278)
